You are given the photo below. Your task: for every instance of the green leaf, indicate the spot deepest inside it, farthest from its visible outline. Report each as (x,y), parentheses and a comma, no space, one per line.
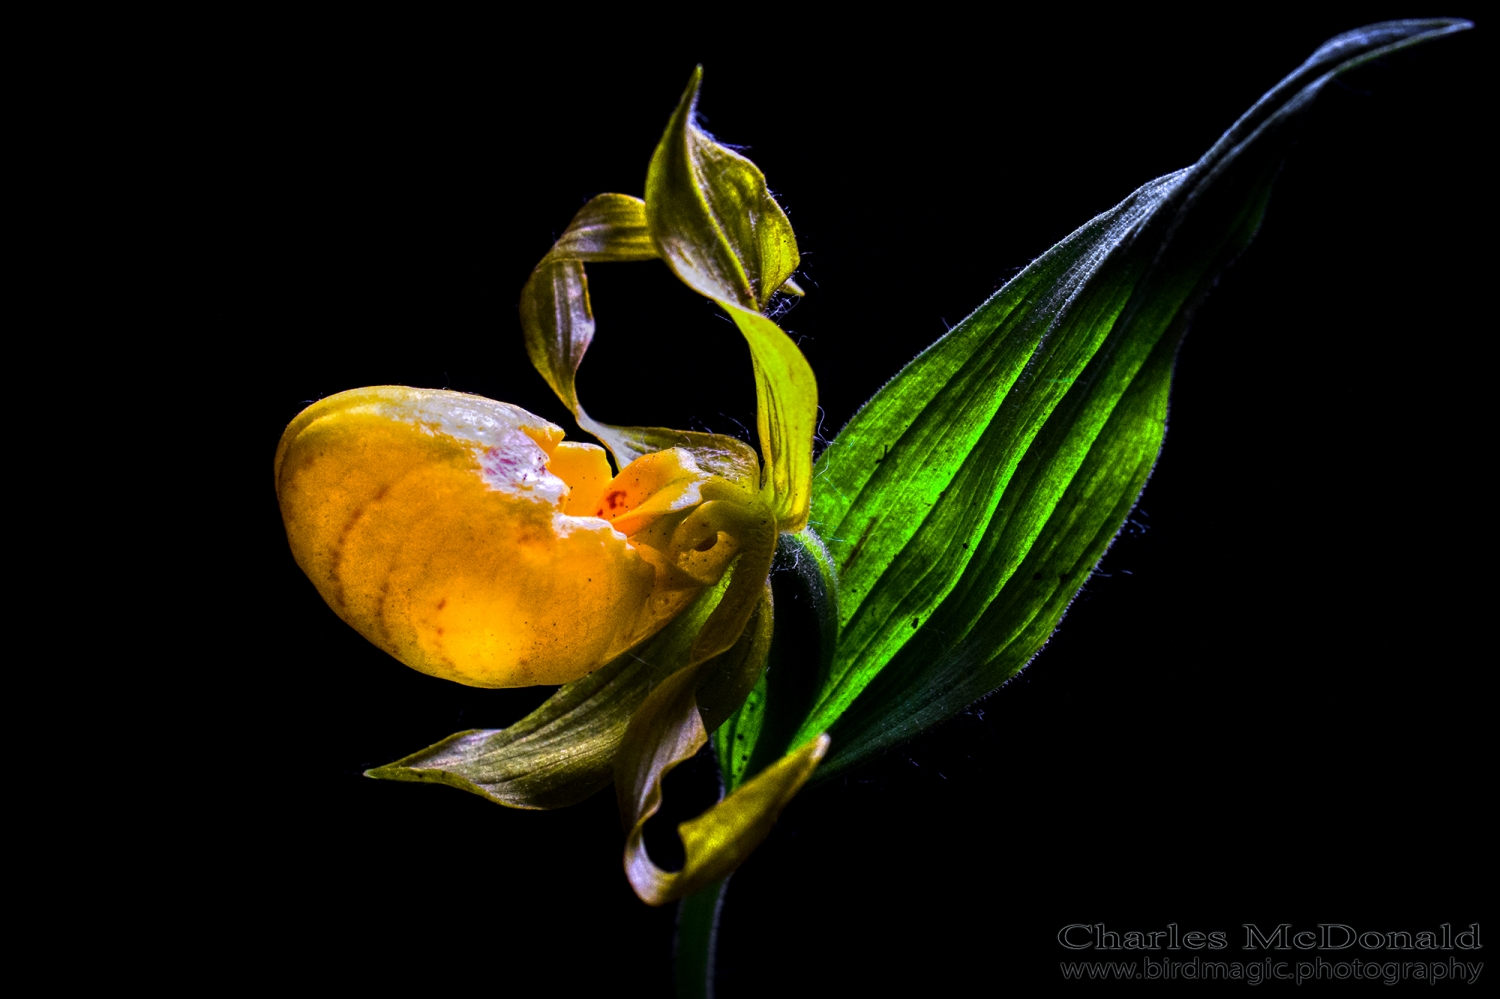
(970,499)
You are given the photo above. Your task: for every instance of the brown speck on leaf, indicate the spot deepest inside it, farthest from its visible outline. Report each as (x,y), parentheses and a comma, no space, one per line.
(861,543)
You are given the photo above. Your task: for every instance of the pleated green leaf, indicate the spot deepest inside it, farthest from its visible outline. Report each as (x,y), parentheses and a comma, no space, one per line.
(969,500)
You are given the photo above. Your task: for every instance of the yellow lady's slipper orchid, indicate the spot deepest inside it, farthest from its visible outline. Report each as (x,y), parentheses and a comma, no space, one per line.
(470,541)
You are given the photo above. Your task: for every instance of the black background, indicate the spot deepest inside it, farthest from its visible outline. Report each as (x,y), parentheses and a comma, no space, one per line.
(1265,707)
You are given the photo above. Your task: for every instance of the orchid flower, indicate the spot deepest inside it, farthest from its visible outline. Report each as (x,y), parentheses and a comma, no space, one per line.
(472,542)
(964,505)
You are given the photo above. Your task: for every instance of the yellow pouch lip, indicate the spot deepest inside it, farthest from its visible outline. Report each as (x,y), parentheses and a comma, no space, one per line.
(432,522)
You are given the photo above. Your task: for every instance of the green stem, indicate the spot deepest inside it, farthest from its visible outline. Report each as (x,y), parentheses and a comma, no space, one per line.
(697,939)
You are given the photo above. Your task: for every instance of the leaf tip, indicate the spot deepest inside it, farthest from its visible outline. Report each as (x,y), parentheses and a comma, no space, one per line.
(390,771)
(689,99)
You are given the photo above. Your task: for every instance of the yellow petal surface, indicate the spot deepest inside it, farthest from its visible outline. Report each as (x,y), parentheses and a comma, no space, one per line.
(440,526)
(585,468)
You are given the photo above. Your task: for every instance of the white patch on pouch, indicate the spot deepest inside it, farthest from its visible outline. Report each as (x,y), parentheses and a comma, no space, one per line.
(516,464)
(509,460)
(483,421)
